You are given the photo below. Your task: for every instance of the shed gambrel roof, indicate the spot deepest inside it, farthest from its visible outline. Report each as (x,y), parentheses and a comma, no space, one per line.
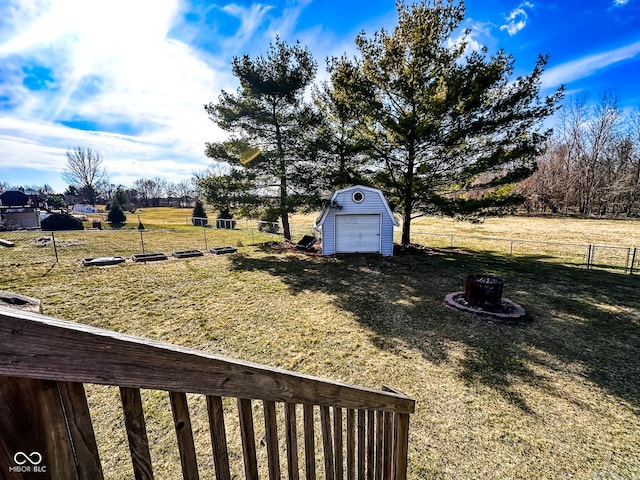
(320,220)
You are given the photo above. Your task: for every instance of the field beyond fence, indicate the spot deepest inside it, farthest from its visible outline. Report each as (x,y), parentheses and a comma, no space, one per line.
(586,243)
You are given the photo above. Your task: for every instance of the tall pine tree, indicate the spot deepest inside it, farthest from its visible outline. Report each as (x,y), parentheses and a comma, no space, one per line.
(447,131)
(270,125)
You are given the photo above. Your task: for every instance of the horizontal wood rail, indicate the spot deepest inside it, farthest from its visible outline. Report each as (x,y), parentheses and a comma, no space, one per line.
(45,362)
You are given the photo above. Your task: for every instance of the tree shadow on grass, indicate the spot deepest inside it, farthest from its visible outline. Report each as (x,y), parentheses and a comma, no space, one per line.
(579,322)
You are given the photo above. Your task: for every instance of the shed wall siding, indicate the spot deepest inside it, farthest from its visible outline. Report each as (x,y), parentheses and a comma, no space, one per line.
(372,204)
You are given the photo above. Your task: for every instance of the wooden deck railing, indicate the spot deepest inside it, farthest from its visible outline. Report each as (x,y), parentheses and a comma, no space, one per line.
(46,424)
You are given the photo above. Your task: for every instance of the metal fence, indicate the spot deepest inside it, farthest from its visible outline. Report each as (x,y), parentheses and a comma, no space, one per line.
(611,257)
(37,247)
(33,247)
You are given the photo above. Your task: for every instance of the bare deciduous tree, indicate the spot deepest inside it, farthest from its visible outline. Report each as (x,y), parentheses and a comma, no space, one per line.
(184,191)
(85,171)
(150,190)
(592,167)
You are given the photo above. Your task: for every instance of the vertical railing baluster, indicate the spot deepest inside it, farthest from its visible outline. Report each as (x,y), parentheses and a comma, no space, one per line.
(292,440)
(136,433)
(379,450)
(271,439)
(327,445)
(362,447)
(218,437)
(184,434)
(387,446)
(371,444)
(309,442)
(351,444)
(337,443)
(248,437)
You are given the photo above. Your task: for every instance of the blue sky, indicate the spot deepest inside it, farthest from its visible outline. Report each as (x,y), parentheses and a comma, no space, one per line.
(130,77)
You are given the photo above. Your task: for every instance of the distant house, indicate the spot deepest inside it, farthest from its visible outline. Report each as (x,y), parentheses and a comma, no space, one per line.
(358,220)
(18,210)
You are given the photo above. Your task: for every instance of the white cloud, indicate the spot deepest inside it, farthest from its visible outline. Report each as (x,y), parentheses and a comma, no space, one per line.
(250,20)
(286,23)
(586,66)
(620,3)
(113,65)
(517,19)
(476,40)
(42,146)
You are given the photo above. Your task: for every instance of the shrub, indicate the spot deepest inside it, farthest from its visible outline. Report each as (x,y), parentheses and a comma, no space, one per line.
(199,216)
(60,221)
(116,215)
(269,221)
(224,220)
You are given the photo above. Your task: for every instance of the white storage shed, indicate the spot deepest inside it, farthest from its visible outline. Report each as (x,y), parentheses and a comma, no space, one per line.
(358,220)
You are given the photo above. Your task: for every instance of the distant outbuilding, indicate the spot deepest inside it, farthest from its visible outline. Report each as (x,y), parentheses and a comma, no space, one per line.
(18,210)
(358,220)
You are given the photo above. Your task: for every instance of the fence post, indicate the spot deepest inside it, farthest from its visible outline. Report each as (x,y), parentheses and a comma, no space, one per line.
(633,260)
(55,247)
(588,256)
(626,265)
(142,241)
(204,231)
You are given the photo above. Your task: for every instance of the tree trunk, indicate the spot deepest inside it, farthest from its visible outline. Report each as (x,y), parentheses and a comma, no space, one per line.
(286,229)
(408,196)
(406,226)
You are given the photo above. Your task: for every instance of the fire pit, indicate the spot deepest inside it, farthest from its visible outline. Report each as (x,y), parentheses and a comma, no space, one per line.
(483,295)
(483,291)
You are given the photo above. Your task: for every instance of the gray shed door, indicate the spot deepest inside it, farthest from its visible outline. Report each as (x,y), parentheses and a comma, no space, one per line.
(357,233)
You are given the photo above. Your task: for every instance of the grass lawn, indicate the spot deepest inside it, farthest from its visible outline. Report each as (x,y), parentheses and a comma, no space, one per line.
(554,396)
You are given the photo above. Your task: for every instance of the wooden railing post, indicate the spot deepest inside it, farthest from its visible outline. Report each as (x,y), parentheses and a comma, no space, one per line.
(78,418)
(401,446)
(387,446)
(33,438)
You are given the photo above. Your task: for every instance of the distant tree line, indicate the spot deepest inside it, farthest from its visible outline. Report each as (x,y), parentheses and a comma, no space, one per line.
(145,192)
(592,164)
